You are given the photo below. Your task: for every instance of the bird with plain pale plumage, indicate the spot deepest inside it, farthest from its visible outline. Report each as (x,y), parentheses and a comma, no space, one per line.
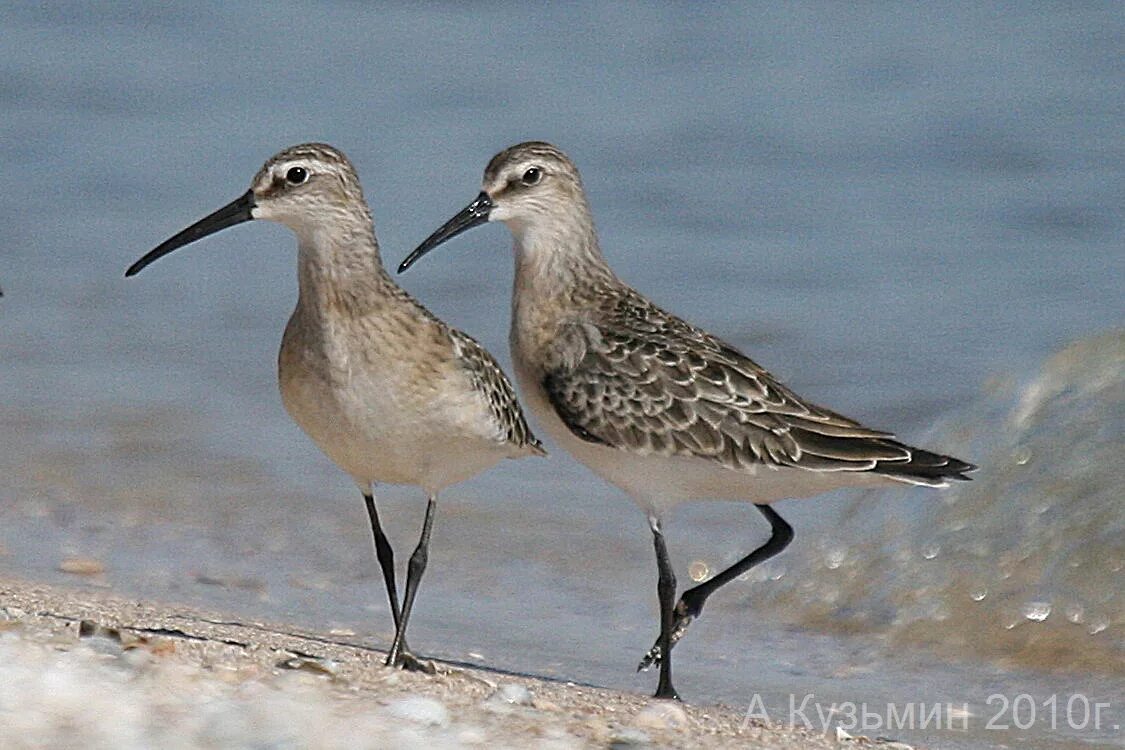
(654,405)
(388,391)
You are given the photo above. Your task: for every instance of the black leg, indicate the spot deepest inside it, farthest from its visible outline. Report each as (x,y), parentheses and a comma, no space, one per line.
(666,591)
(414,570)
(690,604)
(385,555)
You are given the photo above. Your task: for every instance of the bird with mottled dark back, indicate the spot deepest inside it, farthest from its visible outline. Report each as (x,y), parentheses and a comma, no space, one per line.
(654,405)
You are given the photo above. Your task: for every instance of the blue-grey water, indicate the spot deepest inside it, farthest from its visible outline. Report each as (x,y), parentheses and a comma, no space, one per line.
(913,214)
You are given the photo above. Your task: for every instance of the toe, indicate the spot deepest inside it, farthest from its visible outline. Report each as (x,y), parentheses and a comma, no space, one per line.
(412,663)
(652,657)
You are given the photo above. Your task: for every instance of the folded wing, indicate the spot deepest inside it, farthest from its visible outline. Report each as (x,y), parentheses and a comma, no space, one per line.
(641,380)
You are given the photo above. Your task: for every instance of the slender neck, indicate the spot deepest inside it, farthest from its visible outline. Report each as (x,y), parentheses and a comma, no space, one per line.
(560,272)
(340,271)
(559,256)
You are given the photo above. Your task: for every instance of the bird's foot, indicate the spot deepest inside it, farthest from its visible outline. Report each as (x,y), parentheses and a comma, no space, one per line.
(412,663)
(409,662)
(656,654)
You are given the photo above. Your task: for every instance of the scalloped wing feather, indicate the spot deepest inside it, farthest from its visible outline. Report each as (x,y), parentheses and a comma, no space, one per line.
(636,378)
(490,381)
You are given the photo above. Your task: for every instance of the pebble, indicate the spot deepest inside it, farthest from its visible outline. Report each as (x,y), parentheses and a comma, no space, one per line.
(472,735)
(627,737)
(420,710)
(545,705)
(322,667)
(82,566)
(511,694)
(661,715)
(100,639)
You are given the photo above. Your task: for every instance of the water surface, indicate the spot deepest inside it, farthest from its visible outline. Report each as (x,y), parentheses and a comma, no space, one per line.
(906,213)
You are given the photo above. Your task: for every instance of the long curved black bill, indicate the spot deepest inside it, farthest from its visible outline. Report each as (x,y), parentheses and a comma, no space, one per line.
(235,212)
(474,214)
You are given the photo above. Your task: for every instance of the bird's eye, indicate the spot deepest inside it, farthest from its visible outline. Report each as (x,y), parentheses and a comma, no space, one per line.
(296,175)
(532,176)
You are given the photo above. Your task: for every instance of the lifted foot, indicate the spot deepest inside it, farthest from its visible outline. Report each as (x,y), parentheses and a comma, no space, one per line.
(656,654)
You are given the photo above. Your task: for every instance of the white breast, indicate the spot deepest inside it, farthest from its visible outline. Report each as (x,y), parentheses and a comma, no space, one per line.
(382,422)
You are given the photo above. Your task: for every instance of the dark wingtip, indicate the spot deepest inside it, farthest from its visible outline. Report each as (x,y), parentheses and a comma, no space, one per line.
(955,468)
(927,467)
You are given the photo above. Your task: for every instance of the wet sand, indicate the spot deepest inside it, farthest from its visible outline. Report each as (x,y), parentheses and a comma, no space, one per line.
(85,665)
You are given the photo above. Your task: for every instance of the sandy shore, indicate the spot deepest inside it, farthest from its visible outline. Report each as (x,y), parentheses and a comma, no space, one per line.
(82,666)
